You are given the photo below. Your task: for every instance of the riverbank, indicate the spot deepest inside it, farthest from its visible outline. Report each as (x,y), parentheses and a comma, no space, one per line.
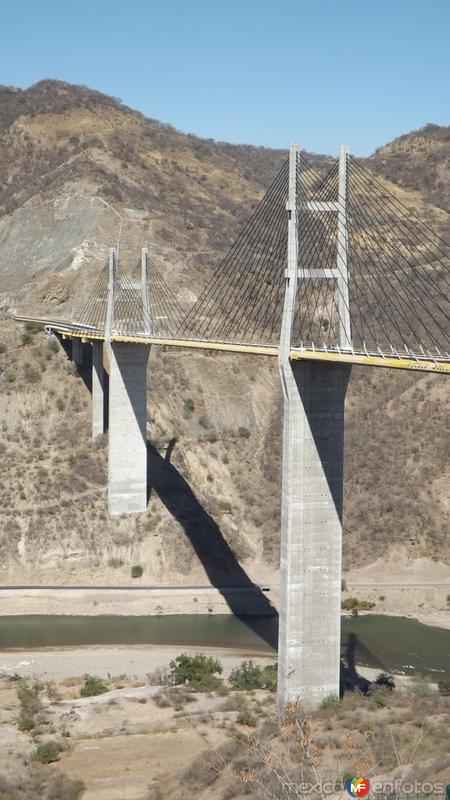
(135,600)
(137,662)
(426,602)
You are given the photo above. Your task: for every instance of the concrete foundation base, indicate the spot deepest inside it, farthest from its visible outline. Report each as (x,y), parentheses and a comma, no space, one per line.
(127,451)
(311,546)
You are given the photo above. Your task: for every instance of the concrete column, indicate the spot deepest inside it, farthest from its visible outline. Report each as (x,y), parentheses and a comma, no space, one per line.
(77,351)
(311,545)
(97,390)
(127,451)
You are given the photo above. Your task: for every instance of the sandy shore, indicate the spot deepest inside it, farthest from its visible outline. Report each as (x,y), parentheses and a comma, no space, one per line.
(132,601)
(138,661)
(133,661)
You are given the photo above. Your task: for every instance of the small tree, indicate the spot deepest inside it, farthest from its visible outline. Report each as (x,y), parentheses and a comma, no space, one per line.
(137,571)
(199,672)
(92,686)
(46,753)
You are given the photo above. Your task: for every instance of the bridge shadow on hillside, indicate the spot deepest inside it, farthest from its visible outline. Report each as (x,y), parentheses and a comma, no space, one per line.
(220,564)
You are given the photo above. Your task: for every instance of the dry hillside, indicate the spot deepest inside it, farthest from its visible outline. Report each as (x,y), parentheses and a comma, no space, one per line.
(65,149)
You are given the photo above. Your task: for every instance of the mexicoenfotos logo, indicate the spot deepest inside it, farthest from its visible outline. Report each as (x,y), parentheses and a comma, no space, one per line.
(358,787)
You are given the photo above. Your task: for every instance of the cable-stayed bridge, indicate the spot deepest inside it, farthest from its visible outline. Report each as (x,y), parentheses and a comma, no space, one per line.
(372,282)
(329,271)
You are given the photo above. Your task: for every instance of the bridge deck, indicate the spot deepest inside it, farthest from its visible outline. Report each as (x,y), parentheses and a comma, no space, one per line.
(420,364)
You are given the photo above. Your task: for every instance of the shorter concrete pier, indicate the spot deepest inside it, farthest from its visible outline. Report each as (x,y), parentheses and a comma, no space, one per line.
(127,464)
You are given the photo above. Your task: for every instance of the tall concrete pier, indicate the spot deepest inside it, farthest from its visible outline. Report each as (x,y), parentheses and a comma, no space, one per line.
(312,483)
(127,412)
(77,352)
(127,451)
(97,389)
(311,545)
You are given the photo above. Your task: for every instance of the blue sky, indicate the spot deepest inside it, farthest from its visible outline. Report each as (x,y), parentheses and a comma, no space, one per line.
(360,72)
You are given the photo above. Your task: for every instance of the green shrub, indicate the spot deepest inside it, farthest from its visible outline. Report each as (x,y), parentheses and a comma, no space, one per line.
(247,676)
(381,698)
(46,753)
(270,677)
(28,696)
(199,671)
(189,405)
(246,718)
(351,603)
(26,724)
(53,346)
(92,686)
(2,347)
(244,433)
(60,404)
(343,585)
(225,506)
(330,703)
(137,571)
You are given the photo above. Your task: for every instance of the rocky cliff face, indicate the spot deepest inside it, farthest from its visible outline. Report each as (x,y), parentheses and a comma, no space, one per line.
(74,165)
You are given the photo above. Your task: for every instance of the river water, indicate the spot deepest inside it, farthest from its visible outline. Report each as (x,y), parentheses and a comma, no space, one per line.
(392,644)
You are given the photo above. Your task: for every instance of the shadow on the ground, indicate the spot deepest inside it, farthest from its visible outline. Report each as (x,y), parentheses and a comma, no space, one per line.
(220,564)
(350,678)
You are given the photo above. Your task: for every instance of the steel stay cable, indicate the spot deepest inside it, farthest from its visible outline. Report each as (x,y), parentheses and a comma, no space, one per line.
(394,200)
(273,232)
(214,286)
(273,236)
(412,233)
(417,274)
(409,288)
(373,276)
(240,268)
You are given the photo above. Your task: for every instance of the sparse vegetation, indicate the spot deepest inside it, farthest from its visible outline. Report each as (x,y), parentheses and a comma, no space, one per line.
(92,686)
(189,405)
(251,676)
(246,718)
(355,605)
(225,506)
(46,753)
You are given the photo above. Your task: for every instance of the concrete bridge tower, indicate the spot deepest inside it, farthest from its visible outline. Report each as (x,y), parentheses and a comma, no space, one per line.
(312,485)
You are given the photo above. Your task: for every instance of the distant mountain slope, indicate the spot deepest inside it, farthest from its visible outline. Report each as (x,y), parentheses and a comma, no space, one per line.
(419,160)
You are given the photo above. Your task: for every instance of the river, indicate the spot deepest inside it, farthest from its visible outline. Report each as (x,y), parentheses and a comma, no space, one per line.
(391,644)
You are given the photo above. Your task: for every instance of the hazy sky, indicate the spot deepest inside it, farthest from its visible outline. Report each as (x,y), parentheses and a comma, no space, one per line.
(358,72)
